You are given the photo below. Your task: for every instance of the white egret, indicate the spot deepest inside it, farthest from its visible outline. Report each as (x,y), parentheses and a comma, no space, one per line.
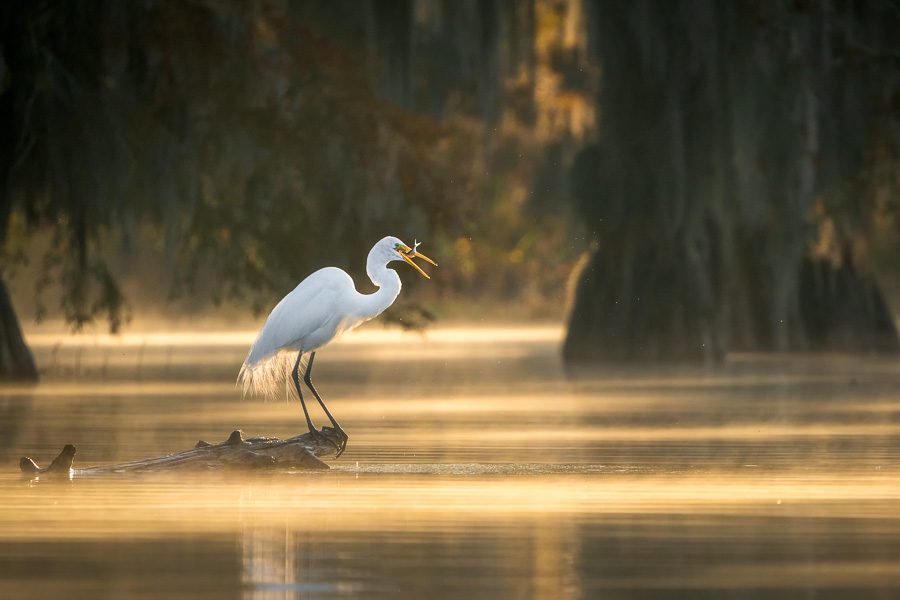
(322,307)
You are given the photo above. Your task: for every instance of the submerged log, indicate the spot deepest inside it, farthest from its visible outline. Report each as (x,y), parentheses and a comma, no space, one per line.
(257,453)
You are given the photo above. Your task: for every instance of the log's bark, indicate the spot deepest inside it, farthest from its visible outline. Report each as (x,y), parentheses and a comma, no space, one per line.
(258,453)
(16,361)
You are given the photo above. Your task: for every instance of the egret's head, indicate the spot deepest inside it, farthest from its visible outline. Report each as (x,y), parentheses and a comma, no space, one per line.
(395,249)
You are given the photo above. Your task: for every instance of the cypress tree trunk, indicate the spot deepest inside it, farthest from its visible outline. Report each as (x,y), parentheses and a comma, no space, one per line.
(16,361)
(724,126)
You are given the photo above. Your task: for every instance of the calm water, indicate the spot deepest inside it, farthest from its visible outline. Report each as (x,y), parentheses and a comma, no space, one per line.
(474,469)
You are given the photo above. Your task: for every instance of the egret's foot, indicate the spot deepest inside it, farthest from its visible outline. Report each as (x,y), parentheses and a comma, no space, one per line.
(342,446)
(319,436)
(325,435)
(342,439)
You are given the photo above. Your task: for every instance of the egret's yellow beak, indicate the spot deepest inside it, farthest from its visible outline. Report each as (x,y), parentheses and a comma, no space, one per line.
(410,253)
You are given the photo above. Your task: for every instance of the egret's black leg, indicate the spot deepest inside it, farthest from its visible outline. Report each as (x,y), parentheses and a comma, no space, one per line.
(337,428)
(295,375)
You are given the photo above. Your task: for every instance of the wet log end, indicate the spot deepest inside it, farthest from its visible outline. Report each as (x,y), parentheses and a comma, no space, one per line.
(61,464)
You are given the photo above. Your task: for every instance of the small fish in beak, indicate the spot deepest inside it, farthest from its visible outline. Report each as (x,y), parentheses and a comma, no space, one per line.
(410,253)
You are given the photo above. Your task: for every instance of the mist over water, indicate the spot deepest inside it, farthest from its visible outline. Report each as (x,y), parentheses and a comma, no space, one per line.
(474,467)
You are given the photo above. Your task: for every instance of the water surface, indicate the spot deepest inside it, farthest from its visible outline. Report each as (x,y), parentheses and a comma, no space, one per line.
(475,469)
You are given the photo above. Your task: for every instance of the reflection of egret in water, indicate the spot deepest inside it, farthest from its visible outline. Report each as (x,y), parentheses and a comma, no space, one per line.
(318,310)
(283,562)
(538,557)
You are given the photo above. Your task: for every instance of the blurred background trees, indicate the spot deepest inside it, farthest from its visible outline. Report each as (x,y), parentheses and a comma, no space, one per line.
(757,143)
(732,166)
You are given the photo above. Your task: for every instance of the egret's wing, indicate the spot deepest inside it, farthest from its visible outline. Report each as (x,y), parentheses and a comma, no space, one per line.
(309,308)
(298,313)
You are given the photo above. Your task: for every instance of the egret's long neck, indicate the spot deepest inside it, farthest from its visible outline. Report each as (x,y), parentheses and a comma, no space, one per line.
(388,282)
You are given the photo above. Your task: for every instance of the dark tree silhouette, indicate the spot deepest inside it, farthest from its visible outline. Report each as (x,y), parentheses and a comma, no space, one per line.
(732,136)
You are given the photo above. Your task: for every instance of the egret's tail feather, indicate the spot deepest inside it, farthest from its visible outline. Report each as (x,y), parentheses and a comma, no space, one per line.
(265,377)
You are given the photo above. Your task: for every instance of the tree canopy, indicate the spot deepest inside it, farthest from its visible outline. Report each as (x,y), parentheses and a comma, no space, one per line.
(263,139)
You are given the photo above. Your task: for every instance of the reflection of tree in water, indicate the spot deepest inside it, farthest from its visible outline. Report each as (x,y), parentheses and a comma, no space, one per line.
(15,412)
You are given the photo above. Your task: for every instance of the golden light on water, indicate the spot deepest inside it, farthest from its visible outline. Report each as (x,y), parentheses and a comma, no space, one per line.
(371,335)
(360,499)
(476,462)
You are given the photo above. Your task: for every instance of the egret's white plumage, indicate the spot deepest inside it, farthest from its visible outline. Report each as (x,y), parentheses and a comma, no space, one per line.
(322,307)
